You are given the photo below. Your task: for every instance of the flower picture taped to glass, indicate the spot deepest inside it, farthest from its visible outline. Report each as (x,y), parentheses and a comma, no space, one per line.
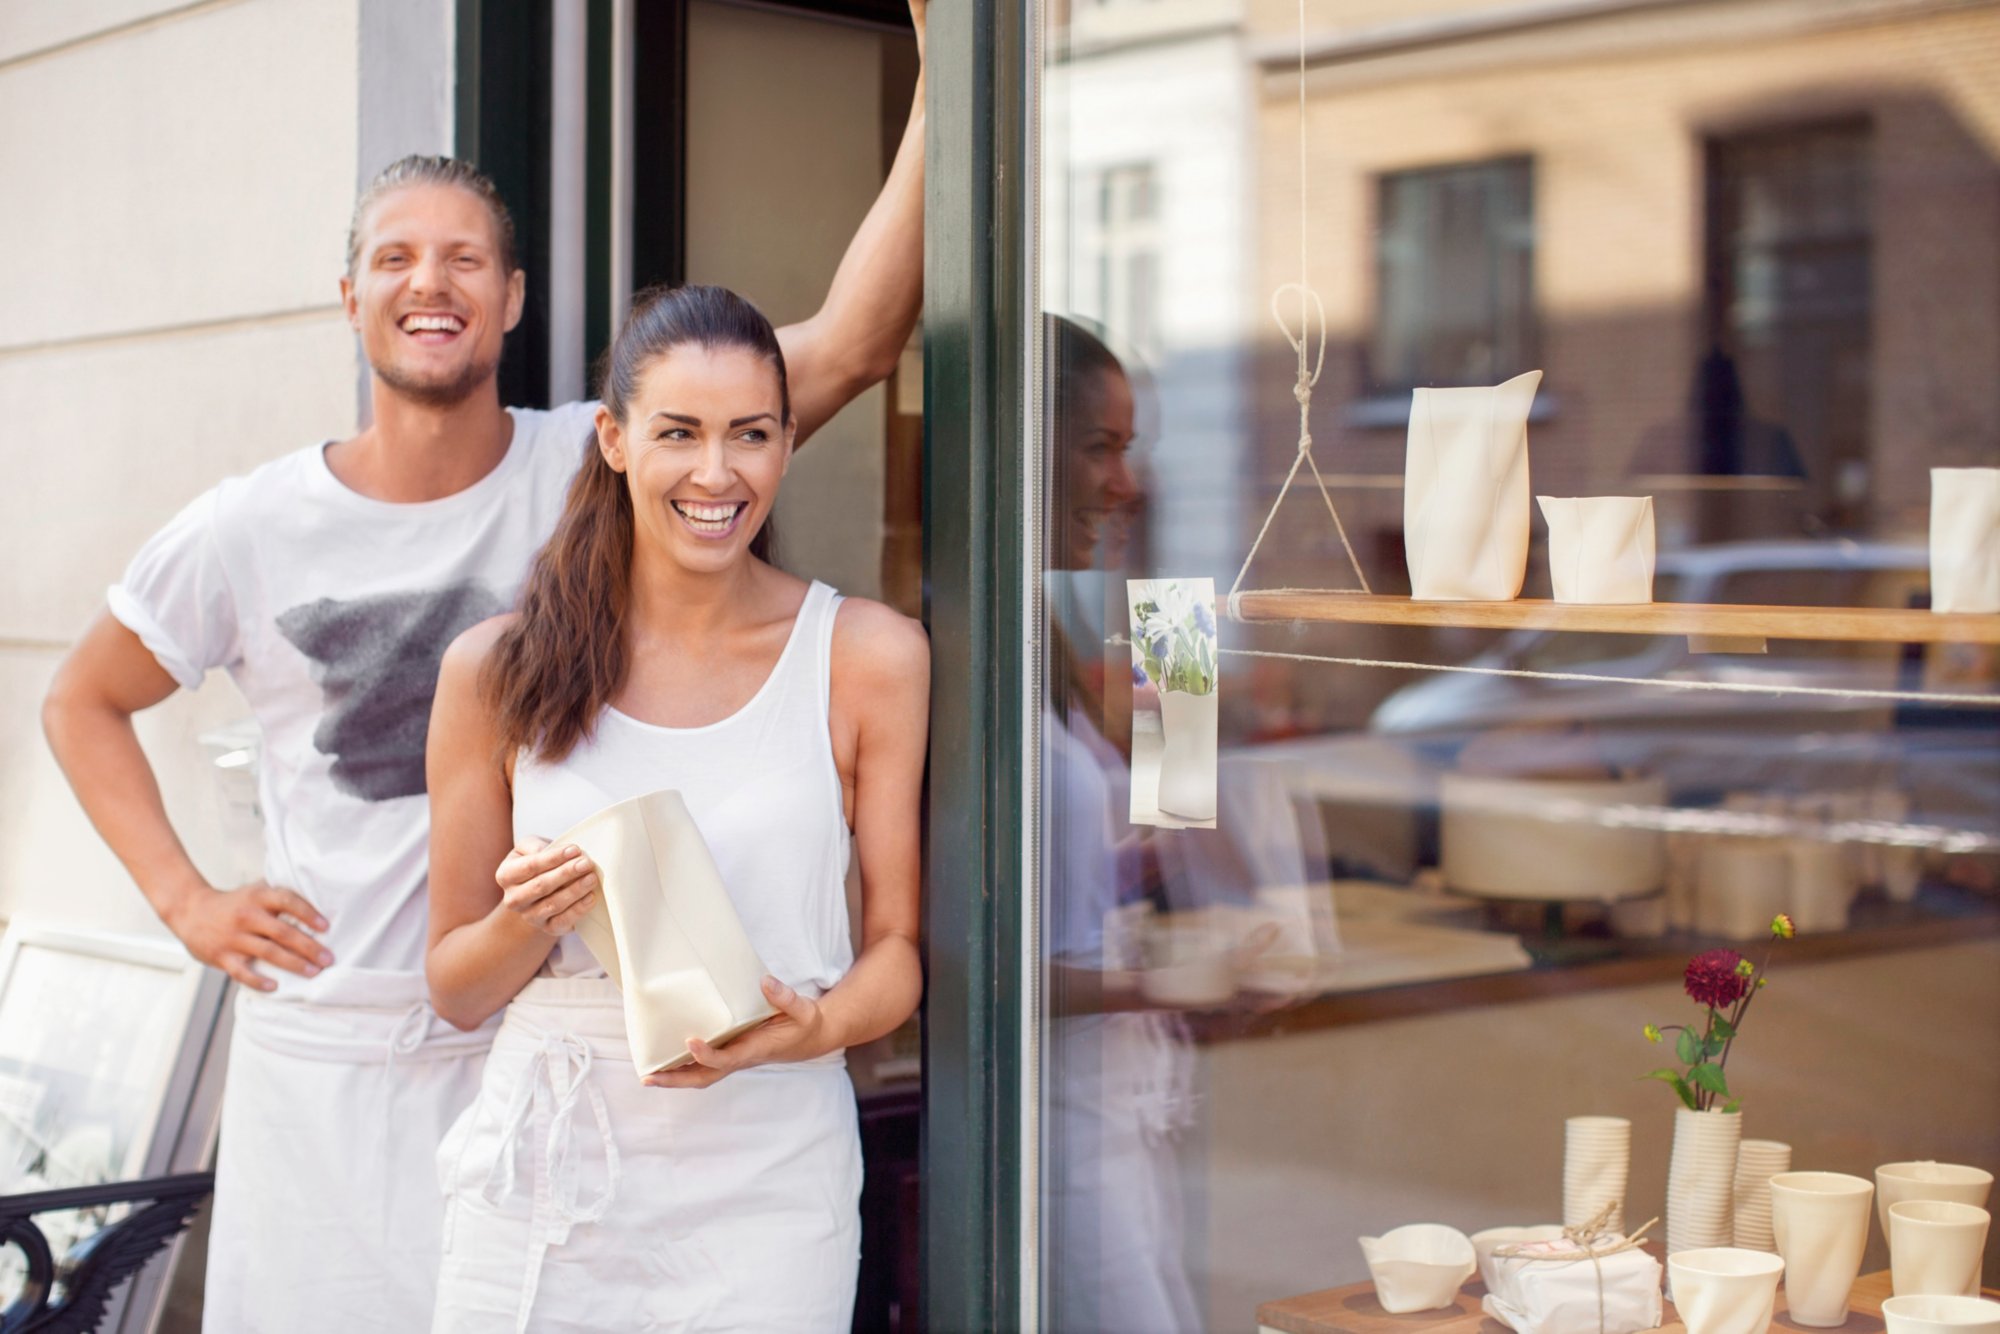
(1175,675)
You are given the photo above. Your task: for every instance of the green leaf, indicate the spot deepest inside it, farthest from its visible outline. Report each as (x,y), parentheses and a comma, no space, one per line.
(1673,1077)
(1734,1105)
(1724,1029)
(1713,1047)
(1688,1047)
(1711,1078)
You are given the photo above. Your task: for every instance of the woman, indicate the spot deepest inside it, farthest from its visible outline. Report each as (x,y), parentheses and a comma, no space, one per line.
(655,648)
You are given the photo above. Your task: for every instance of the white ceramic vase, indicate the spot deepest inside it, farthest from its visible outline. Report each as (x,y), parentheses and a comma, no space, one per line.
(1597,1163)
(1723,1290)
(1822,884)
(1741,883)
(1757,1161)
(1187,760)
(1965,539)
(1465,491)
(1821,1223)
(1701,1180)
(1936,1248)
(1601,548)
(1941,1315)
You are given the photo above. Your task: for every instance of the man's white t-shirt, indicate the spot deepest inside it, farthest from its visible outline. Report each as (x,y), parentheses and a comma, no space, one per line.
(331,612)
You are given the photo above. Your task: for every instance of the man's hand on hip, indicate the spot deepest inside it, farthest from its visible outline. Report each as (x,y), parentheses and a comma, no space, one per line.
(235,929)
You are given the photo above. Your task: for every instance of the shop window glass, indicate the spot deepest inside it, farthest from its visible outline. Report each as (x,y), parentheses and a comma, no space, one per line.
(1462,852)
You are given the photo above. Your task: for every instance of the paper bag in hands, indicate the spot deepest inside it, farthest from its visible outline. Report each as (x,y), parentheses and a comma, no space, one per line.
(1465,491)
(664,929)
(1601,548)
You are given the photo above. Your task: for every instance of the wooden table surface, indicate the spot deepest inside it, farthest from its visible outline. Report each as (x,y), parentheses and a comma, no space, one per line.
(1354,1310)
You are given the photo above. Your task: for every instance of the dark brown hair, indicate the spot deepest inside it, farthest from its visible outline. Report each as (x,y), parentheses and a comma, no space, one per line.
(562,661)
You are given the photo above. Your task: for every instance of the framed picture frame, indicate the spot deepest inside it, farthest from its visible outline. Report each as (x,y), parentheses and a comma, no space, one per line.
(111,1051)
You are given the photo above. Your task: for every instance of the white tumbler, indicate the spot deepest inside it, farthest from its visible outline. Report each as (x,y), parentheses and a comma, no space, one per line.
(1821,1221)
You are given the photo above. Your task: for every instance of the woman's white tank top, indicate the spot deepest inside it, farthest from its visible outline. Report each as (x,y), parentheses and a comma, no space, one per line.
(763,789)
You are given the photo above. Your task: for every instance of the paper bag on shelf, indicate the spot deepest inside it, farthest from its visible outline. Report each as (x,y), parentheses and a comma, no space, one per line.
(1465,491)
(1965,539)
(664,929)
(1547,1296)
(1601,548)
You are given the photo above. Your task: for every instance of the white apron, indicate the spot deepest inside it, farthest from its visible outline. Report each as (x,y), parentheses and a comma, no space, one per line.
(578,1199)
(326,1215)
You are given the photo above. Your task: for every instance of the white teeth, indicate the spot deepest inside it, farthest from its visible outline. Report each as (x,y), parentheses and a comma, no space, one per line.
(707,518)
(433,323)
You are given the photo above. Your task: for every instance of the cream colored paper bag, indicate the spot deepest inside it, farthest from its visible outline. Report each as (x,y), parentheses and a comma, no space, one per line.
(666,932)
(1600,548)
(1965,539)
(1465,491)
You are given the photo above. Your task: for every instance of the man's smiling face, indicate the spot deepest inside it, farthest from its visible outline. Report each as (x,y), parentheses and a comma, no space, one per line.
(430,294)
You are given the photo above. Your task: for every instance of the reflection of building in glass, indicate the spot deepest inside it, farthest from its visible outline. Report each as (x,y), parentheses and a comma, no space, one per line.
(1147,235)
(1745,269)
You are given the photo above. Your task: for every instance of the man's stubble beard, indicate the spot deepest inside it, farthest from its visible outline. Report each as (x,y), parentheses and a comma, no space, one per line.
(431,394)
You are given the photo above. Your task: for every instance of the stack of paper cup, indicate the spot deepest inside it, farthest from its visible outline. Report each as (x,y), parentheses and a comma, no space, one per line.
(1597,1159)
(1757,1161)
(1701,1177)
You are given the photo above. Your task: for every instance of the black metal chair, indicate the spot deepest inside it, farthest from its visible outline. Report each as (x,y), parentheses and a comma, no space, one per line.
(95,1266)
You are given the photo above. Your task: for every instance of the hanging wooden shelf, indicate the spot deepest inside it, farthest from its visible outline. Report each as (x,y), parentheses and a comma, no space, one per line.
(1878,624)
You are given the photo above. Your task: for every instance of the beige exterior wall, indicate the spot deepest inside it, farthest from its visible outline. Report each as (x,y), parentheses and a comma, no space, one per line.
(178,179)
(1614,110)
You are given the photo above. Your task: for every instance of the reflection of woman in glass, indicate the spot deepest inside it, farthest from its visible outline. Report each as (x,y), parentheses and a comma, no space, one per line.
(1118,1075)
(654,649)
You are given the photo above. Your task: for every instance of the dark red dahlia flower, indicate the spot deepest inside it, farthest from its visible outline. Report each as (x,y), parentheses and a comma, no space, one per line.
(1713,981)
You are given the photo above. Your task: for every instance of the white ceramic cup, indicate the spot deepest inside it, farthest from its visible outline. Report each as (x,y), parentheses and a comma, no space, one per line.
(1724,1290)
(1896,1182)
(1820,1220)
(1936,1248)
(1941,1315)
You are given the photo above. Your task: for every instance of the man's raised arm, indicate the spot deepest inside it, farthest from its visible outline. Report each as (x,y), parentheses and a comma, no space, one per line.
(854,339)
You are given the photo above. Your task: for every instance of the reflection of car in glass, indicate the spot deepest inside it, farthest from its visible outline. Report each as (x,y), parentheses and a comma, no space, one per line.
(1705,743)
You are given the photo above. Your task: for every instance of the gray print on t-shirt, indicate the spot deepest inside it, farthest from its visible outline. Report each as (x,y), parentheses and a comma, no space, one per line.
(376,659)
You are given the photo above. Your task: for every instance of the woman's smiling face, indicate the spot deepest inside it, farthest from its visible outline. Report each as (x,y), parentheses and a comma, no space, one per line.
(703,445)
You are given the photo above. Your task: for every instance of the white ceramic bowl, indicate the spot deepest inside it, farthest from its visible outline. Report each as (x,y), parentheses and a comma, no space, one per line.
(1941,1315)
(1419,1267)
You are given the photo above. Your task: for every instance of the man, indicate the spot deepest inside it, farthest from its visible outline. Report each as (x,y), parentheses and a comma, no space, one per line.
(328,583)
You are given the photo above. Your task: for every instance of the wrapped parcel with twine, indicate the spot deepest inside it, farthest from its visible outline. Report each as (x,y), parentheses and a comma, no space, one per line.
(1590,1281)
(665,930)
